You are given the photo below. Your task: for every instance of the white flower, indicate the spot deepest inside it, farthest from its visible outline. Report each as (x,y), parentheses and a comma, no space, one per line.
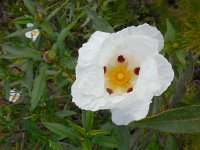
(32,34)
(122,71)
(14,96)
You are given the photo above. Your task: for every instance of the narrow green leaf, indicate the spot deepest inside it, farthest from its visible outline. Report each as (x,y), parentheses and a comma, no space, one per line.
(105,141)
(56,146)
(180,120)
(123,136)
(87,119)
(21,32)
(62,130)
(22,52)
(97,132)
(29,75)
(65,113)
(64,33)
(38,86)
(77,127)
(66,30)
(68,62)
(180,87)
(53,13)
(7,89)
(30,6)
(46,27)
(170,143)
(152,144)
(170,34)
(24,19)
(97,22)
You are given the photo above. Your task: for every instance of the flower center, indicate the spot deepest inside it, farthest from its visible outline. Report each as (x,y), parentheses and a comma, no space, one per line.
(35,33)
(120,77)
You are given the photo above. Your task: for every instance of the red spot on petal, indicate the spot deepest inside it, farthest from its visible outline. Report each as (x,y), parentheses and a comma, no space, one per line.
(121,59)
(105,69)
(137,70)
(110,91)
(130,90)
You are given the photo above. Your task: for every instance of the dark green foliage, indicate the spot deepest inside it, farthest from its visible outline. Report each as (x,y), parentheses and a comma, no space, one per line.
(44,70)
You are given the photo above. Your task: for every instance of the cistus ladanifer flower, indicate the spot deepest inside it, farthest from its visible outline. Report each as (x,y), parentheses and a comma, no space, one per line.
(32,34)
(122,72)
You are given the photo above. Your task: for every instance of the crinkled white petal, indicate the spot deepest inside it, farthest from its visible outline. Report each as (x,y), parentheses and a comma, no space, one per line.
(165,73)
(152,32)
(28,34)
(93,103)
(148,79)
(89,52)
(29,25)
(130,44)
(90,80)
(134,108)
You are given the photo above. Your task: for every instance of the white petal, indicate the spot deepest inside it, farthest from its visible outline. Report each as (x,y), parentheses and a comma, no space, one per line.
(148,79)
(87,102)
(137,47)
(89,52)
(93,103)
(134,108)
(28,34)
(135,42)
(136,105)
(165,73)
(29,25)
(90,80)
(152,32)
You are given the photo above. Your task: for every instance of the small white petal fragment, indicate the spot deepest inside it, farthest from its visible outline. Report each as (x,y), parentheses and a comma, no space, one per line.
(14,96)
(122,72)
(32,34)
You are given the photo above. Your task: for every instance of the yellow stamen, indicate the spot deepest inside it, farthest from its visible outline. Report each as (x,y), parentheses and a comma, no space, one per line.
(120,76)
(35,33)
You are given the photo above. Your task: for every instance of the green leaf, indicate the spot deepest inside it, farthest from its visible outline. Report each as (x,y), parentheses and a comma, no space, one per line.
(22,52)
(153,145)
(38,86)
(87,119)
(24,19)
(181,120)
(21,32)
(56,146)
(105,141)
(97,132)
(171,33)
(123,136)
(170,143)
(64,33)
(65,113)
(46,27)
(29,75)
(180,87)
(62,130)
(68,62)
(30,6)
(53,13)
(97,22)
(77,127)
(7,89)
